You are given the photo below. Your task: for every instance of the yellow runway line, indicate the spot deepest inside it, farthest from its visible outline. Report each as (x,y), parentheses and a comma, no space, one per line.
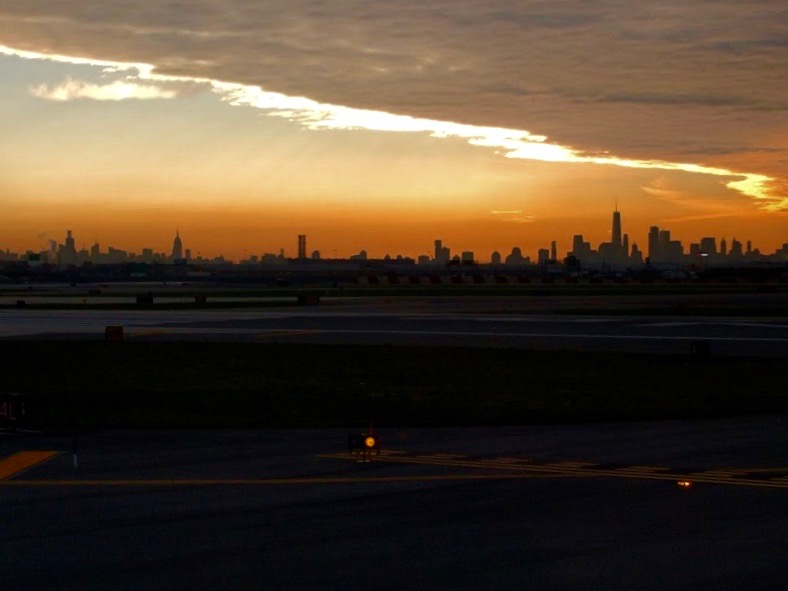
(755,470)
(561,472)
(284,333)
(147,333)
(23,460)
(571,464)
(269,481)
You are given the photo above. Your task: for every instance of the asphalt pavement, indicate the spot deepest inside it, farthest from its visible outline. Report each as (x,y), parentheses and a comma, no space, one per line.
(538,507)
(453,323)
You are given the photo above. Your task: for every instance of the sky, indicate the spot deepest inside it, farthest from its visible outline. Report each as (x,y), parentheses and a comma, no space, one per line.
(385,125)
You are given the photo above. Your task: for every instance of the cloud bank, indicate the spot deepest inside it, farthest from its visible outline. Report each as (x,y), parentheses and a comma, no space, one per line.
(510,143)
(673,86)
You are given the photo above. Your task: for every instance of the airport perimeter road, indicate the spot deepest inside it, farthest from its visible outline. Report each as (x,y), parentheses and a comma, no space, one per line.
(581,507)
(360,324)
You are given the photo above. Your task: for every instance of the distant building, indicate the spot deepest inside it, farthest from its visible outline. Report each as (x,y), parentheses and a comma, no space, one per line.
(654,254)
(516,257)
(177,247)
(581,249)
(616,234)
(708,245)
(302,246)
(68,253)
(636,257)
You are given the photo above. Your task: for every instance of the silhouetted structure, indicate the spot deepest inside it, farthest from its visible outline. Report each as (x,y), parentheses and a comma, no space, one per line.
(177,247)
(619,256)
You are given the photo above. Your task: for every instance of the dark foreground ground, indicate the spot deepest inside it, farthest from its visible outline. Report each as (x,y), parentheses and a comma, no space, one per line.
(79,384)
(455,509)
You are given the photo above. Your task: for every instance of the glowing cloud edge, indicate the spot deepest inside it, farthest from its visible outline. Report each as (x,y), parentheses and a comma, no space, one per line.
(511,143)
(116,91)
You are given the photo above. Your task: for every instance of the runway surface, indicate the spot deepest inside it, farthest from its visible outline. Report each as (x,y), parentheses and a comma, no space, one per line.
(470,325)
(542,507)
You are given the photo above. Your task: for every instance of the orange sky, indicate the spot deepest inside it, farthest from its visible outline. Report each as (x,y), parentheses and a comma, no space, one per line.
(124,156)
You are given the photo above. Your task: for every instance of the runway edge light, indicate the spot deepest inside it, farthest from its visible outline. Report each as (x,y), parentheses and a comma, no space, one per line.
(361,445)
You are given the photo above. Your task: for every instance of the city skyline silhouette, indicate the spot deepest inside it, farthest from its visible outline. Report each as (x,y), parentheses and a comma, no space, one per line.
(657,247)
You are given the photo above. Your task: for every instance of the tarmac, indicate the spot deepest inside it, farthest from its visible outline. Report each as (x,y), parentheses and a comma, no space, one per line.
(414,322)
(654,505)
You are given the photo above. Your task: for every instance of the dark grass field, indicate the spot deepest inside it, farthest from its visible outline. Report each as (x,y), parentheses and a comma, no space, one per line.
(196,384)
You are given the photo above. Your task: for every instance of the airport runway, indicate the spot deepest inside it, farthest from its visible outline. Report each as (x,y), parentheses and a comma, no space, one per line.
(539,507)
(414,325)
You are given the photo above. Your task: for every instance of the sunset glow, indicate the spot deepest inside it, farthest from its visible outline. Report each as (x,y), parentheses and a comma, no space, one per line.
(316,116)
(173,154)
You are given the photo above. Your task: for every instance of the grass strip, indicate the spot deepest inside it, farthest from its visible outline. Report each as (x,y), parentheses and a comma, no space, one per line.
(201,384)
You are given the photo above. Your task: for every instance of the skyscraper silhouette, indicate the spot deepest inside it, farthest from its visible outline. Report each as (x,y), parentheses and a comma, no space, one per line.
(616,235)
(302,246)
(177,247)
(653,244)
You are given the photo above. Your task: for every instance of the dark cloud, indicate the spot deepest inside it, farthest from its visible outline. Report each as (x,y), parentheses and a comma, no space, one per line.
(708,100)
(641,78)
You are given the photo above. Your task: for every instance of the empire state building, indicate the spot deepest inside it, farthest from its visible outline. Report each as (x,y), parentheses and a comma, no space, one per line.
(177,247)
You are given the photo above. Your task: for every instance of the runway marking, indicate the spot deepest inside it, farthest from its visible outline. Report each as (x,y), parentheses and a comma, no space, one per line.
(283,333)
(573,464)
(756,470)
(518,468)
(670,324)
(147,333)
(258,333)
(710,322)
(553,335)
(757,324)
(22,461)
(461,333)
(720,473)
(563,469)
(270,481)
